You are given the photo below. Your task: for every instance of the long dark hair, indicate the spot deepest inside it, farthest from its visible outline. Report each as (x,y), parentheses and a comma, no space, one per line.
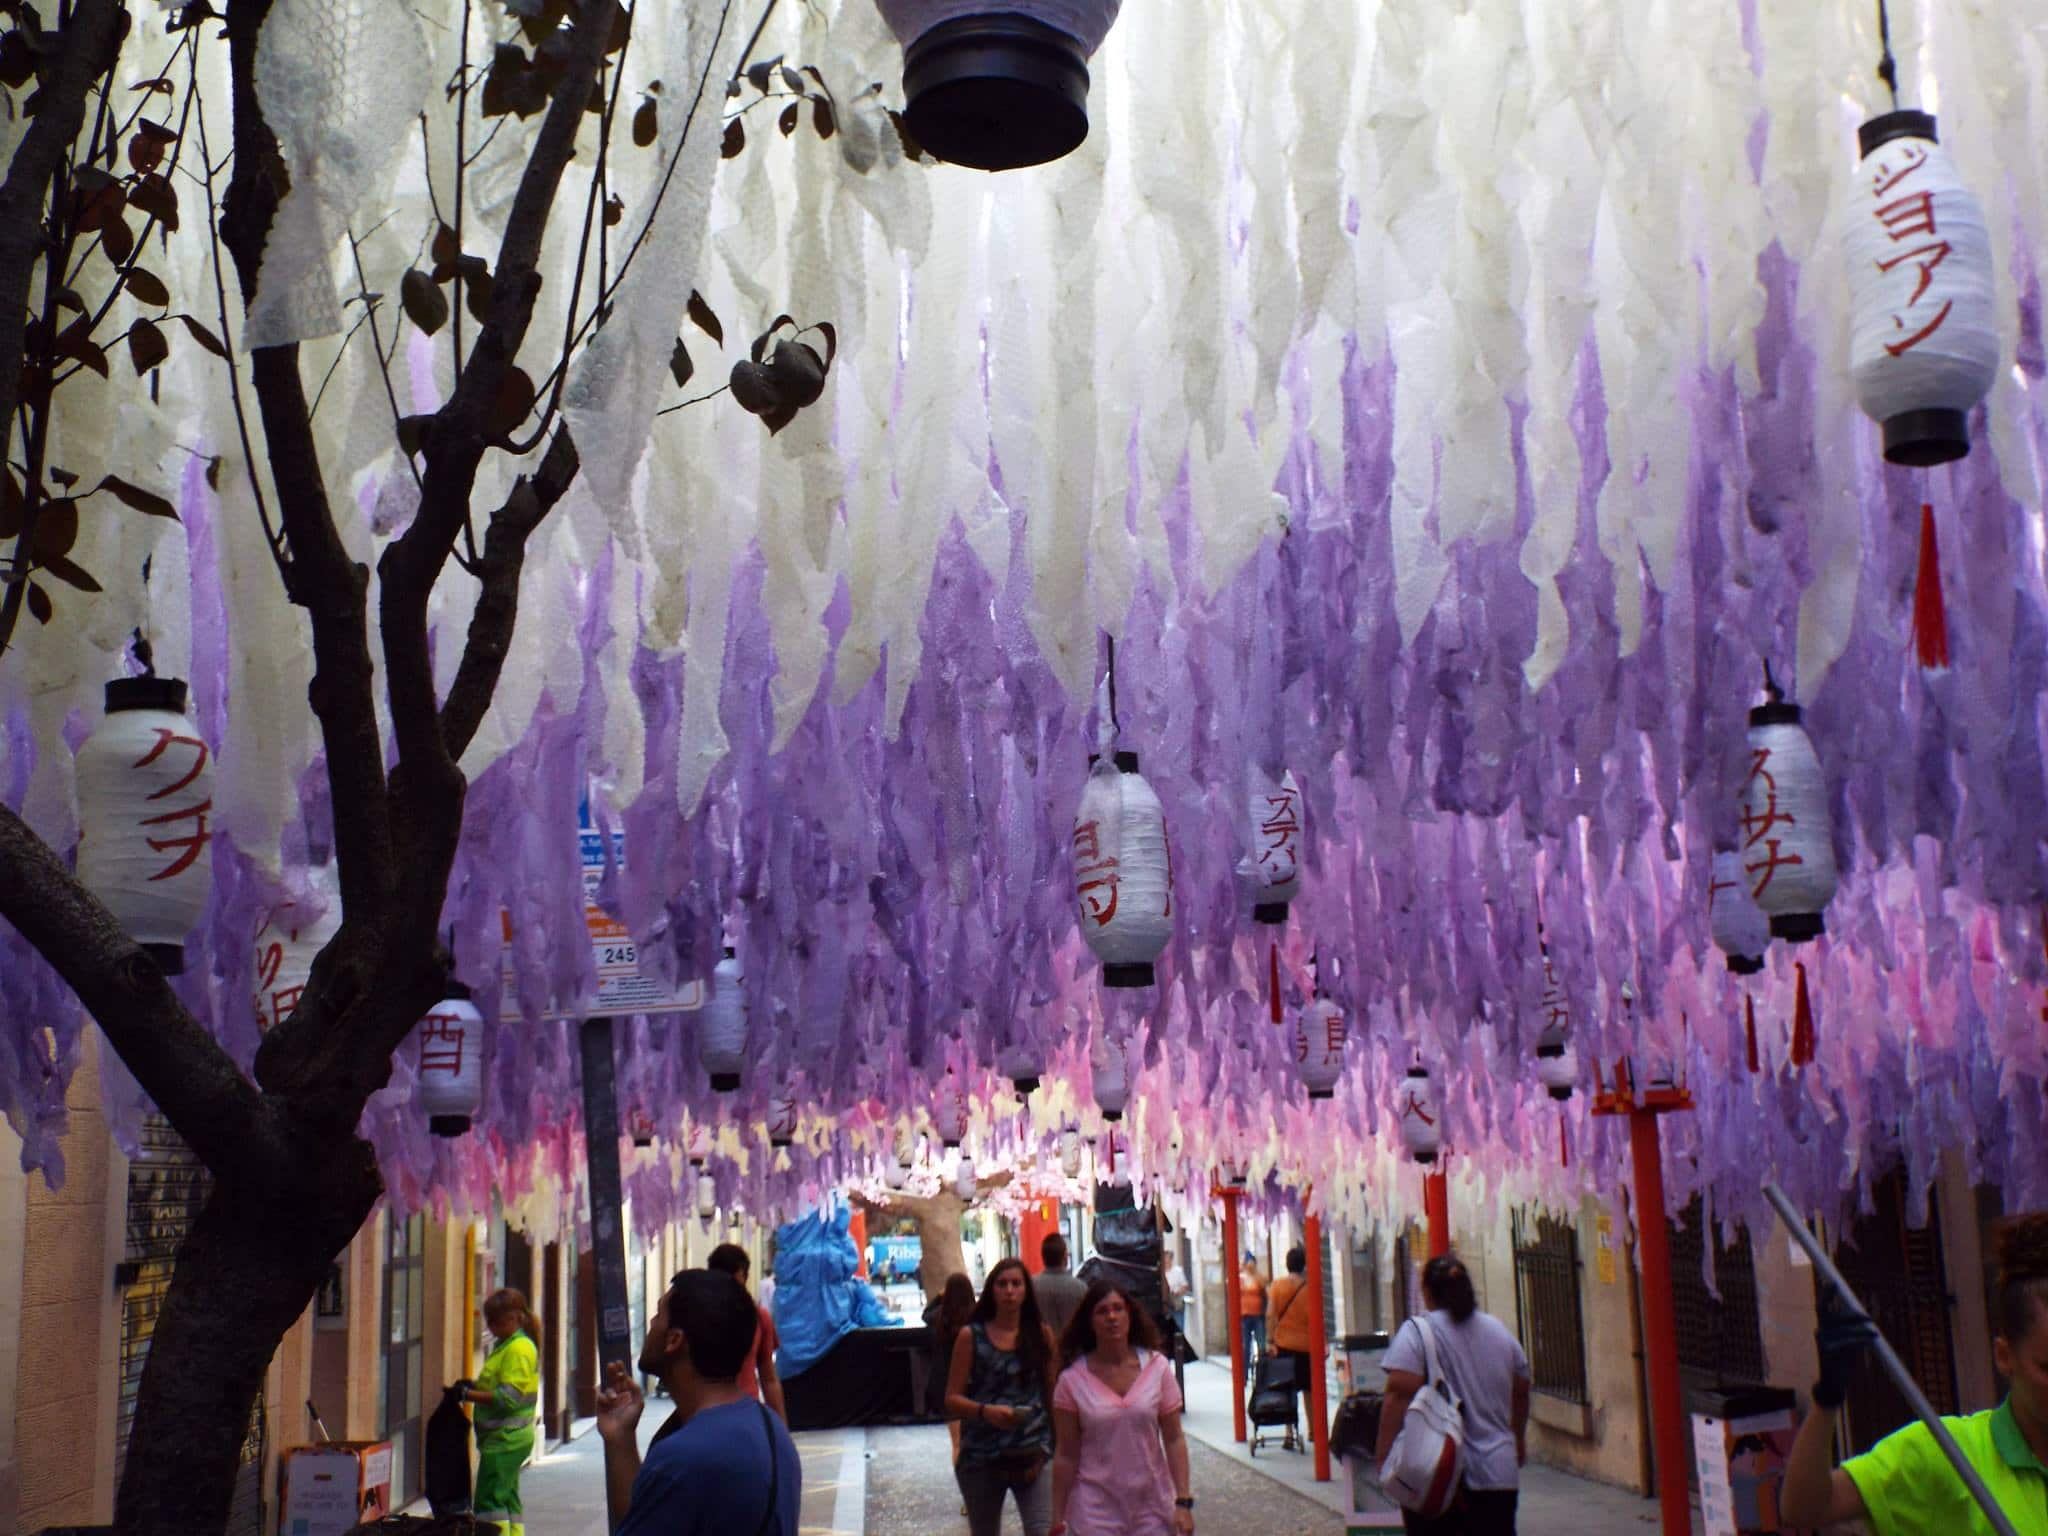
(1447,1283)
(1080,1336)
(1031,1331)
(956,1306)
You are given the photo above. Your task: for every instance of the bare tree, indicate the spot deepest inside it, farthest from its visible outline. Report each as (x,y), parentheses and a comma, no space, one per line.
(292,1180)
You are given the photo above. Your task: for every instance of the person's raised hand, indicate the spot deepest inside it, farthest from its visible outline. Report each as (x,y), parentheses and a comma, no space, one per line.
(618,1405)
(1844,1334)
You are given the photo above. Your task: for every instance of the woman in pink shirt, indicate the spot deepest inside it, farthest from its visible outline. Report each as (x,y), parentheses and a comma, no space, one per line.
(1120,1467)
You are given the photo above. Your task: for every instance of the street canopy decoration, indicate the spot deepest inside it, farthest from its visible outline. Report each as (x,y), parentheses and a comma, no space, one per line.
(1453,416)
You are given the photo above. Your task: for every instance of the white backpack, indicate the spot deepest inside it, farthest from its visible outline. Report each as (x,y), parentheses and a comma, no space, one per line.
(1423,1465)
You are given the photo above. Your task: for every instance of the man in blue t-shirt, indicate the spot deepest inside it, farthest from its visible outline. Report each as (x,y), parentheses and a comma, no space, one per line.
(727,1467)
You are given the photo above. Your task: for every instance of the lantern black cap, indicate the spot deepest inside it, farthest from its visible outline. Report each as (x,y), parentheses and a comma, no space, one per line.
(1561,1093)
(1745,965)
(1128,974)
(1924,438)
(1797,927)
(725,1082)
(996,92)
(1322,1093)
(1905,123)
(454,991)
(1425,1158)
(1272,913)
(1112,1115)
(643,1141)
(169,958)
(1777,709)
(165,693)
(1026,1086)
(448,1125)
(1126,762)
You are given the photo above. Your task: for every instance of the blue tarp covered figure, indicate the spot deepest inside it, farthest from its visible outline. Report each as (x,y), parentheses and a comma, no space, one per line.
(819,1296)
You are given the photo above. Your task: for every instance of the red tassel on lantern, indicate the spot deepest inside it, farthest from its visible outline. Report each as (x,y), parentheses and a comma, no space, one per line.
(1930,616)
(1273,981)
(1749,1030)
(1802,1022)
(1564,1143)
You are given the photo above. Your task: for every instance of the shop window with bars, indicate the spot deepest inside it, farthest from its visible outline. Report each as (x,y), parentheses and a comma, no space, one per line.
(1547,1305)
(1720,1339)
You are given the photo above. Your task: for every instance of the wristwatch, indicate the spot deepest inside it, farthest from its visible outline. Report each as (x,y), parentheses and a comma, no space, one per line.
(1183,1503)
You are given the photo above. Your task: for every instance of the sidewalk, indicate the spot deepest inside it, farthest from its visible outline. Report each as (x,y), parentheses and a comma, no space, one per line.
(1553,1503)
(564,1490)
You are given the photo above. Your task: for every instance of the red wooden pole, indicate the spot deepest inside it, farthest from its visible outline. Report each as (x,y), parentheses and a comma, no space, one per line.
(1233,1299)
(1660,1324)
(1318,1377)
(1436,1201)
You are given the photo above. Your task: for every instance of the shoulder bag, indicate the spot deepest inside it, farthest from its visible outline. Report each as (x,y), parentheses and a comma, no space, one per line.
(1423,1466)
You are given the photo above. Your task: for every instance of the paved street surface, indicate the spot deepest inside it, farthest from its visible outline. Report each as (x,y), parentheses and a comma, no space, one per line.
(911,1493)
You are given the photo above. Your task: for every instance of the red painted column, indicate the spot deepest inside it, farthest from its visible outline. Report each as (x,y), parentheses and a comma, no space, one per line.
(1436,1202)
(1233,1307)
(1660,1325)
(1318,1377)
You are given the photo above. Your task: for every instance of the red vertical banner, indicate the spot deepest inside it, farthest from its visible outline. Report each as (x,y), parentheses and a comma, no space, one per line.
(1436,1204)
(1038,1222)
(857,1229)
(1318,1373)
(1233,1308)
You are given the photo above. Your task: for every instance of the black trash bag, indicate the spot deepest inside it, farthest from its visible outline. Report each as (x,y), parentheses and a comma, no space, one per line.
(1357,1430)
(447,1454)
(1127,1250)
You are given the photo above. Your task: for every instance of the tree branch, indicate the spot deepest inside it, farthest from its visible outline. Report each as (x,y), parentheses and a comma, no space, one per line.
(497,607)
(89,41)
(179,1065)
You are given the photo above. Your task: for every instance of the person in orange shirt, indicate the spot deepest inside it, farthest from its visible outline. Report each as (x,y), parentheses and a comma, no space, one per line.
(1251,1295)
(1290,1317)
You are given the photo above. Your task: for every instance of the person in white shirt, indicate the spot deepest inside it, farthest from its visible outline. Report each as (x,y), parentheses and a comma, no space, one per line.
(1486,1367)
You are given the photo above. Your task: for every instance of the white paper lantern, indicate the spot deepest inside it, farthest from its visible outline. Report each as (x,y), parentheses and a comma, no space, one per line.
(292,936)
(707,1197)
(451,1063)
(1070,1153)
(949,1110)
(640,1127)
(700,1145)
(145,808)
(1109,1076)
(1788,854)
(997,84)
(1276,833)
(1233,1173)
(1421,1116)
(1123,871)
(1923,339)
(1557,1067)
(782,1120)
(1024,1065)
(1319,1036)
(1740,929)
(722,1025)
(964,1179)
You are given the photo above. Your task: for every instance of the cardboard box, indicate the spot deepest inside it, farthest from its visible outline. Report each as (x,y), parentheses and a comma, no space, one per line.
(332,1488)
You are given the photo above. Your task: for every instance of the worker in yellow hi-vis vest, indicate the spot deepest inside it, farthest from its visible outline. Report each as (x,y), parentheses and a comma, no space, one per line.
(506,1397)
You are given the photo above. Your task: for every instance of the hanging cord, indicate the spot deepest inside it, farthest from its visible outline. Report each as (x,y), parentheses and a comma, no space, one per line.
(1114,726)
(1887,66)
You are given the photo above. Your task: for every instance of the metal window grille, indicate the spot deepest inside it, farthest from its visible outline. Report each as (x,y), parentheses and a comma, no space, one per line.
(1901,1275)
(1547,1305)
(1720,1340)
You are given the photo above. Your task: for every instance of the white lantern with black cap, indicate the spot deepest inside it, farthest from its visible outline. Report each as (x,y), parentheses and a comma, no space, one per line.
(1109,1076)
(998,84)
(722,1030)
(1923,340)
(1123,870)
(145,802)
(1276,841)
(1319,1036)
(1023,1063)
(451,1062)
(1741,930)
(1421,1115)
(1788,853)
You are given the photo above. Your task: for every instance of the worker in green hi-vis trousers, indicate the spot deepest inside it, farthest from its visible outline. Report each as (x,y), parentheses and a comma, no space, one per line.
(506,1397)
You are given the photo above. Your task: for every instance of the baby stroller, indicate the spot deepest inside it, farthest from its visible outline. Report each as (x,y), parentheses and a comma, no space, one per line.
(1275,1402)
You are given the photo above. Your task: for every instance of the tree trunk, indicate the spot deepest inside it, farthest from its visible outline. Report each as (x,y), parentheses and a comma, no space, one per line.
(245,1275)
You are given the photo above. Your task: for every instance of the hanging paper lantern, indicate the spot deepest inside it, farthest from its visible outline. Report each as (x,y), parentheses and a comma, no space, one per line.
(1557,1066)
(949,1111)
(782,1120)
(290,940)
(1740,929)
(1070,1152)
(451,1065)
(640,1126)
(1788,854)
(1421,1116)
(1232,1173)
(700,1145)
(145,793)
(1024,1064)
(1319,1036)
(1109,1076)
(722,1026)
(1123,871)
(1923,339)
(964,1184)
(998,84)
(707,1197)
(1276,831)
